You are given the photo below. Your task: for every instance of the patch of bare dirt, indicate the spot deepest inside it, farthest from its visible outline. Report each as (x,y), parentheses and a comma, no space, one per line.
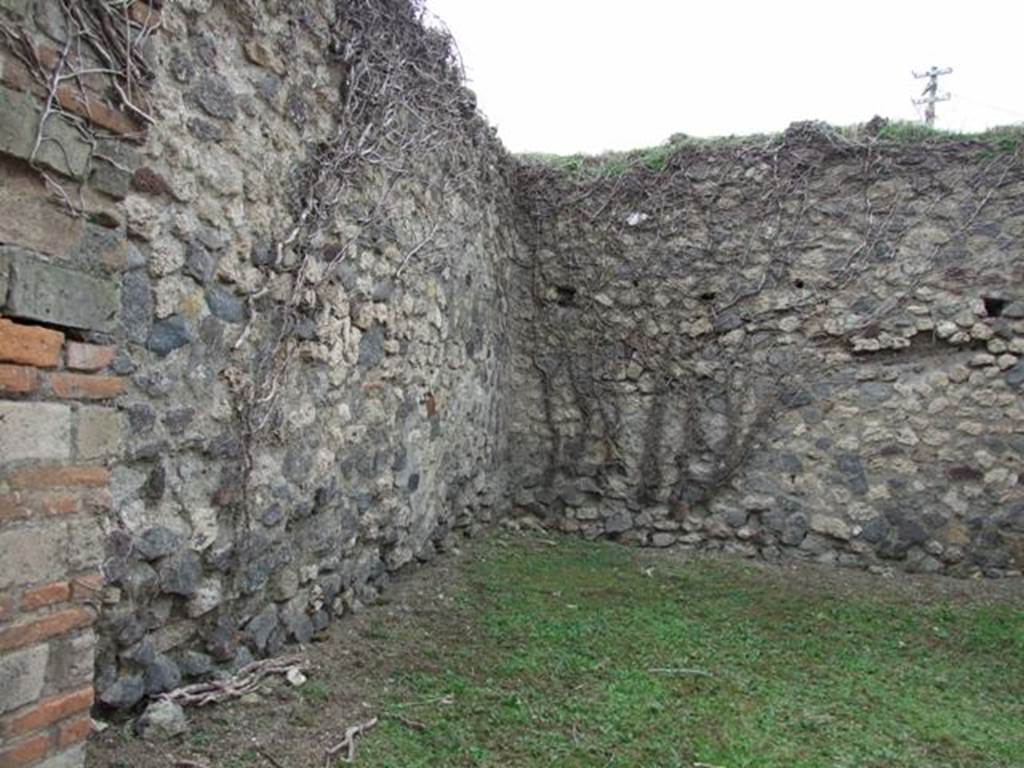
(352,666)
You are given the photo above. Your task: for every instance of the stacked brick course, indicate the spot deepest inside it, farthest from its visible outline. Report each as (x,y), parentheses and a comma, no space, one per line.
(63,243)
(58,431)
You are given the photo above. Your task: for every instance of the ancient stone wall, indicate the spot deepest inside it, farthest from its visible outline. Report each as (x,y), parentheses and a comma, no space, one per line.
(253,336)
(280,317)
(313,322)
(804,346)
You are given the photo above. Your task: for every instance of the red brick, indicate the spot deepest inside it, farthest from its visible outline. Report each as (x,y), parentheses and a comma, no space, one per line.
(76,386)
(21,506)
(18,379)
(29,344)
(26,752)
(96,112)
(89,357)
(22,635)
(86,586)
(50,711)
(40,597)
(74,731)
(7,606)
(42,478)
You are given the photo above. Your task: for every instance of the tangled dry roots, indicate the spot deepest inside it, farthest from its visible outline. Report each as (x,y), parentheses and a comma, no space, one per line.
(405,121)
(684,198)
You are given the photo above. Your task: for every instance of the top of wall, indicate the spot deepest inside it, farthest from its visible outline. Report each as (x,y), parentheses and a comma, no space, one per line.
(911,142)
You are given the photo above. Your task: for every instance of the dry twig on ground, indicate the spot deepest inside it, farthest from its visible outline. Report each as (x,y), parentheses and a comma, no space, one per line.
(246,681)
(348,744)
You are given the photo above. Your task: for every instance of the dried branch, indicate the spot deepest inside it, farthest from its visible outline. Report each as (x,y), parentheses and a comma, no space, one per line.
(348,744)
(247,680)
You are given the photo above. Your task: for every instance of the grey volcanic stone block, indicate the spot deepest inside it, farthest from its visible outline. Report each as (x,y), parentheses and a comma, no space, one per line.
(225,305)
(162,719)
(371,347)
(169,335)
(1015,376)
(126,692)
(52,294)
(193,664)
(618,523)
(215,96)
(261,627)
(162,675)
(63,151)
(136,305)
(157,541)
(180,574)
(852,470)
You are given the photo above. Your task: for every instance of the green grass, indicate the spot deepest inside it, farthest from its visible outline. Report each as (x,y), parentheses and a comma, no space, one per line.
(614,164)
(559,667)
(315,691)
(1004,139)
(999,140)
(608,164)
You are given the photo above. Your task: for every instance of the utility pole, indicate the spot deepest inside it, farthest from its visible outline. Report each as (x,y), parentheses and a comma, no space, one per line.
(931,92)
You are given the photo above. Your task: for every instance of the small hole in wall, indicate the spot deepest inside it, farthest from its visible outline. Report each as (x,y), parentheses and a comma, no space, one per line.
(709,296)
(565,296)
(798,284)
(994,307)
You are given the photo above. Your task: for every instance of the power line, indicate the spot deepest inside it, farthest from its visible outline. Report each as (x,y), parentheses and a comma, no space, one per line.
(1013,112)
(931,92)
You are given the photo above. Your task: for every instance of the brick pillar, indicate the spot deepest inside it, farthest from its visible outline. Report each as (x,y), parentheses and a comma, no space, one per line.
(56,430)
(60,430)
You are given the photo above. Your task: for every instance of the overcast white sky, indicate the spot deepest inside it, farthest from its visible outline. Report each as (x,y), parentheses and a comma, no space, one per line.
(588,75)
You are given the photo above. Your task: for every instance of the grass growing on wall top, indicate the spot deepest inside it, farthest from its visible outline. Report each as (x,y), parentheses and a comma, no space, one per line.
(654,159)
(1004,139)
(590,655)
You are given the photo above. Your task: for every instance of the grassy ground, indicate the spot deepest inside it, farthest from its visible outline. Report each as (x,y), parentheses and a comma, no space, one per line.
(574,654)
